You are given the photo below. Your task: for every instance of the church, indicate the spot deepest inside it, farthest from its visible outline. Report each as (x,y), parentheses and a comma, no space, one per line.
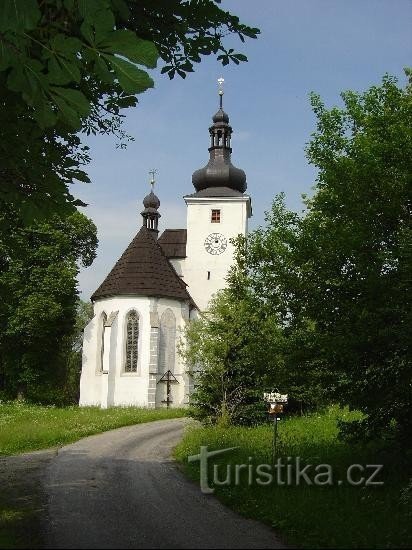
(160,283)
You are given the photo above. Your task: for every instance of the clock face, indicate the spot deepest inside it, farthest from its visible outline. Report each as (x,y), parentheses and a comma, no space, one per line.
(215,243)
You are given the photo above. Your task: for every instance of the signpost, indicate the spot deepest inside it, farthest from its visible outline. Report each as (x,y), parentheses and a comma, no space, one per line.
(276,402)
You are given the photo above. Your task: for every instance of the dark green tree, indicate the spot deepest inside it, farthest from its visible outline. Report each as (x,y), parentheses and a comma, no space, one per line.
(38,292)
(232,351)
(268,270)
(357,246)
(338,278)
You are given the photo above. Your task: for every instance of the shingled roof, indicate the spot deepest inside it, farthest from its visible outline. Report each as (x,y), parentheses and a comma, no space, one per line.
(173,243)
(143,270)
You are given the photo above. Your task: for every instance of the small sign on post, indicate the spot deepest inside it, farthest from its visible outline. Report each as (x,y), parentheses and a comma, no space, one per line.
(276,402)
(275,397)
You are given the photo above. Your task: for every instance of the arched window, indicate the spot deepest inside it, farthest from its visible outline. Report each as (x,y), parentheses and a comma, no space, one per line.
(132,342)
(103,320)
(167,342)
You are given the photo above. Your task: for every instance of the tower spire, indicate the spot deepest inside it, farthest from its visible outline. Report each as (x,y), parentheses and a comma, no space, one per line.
(220,172)
(151,205)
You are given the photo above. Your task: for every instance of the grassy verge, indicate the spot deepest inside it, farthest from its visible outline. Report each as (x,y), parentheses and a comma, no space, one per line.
(29,427)
(329,516)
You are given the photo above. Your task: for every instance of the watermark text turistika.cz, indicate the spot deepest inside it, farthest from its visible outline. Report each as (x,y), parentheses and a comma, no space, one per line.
(287,471)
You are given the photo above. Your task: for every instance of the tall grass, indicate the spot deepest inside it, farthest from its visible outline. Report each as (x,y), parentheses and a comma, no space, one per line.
(331,516)
(26,427)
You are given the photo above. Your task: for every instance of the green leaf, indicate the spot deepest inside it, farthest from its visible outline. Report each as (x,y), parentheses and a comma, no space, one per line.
(103,23)
(70,115)
(89,8)
(28,80)
(65,45)
(72,105)
(62,71)
(102,70)
(97,29)
(121,8)
(127,44)
(240,56)
(45,115)
(6,59)
(74,98)
(19,15)
(132,79)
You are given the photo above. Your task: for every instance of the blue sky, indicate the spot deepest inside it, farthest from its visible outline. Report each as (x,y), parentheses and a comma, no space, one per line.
(325,46)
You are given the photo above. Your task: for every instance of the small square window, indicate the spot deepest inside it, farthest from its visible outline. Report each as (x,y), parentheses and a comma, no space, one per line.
(215,216)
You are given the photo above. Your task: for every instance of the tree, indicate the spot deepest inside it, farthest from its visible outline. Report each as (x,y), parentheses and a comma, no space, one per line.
(38,292)
(70,65)
(232,350)
(338,278)
(268,270)
(357,240)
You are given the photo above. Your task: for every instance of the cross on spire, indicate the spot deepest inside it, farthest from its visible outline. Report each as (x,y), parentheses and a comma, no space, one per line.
(152,172)
(220,82)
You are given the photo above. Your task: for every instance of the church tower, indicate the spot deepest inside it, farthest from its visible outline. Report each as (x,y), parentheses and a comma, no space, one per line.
(218,211)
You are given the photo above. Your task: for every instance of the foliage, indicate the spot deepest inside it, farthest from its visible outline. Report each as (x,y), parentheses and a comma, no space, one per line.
(338,516)
(232,351)
(358,242)
(337,278)
(267,269)
(27,427)
(38,293)
(70,65)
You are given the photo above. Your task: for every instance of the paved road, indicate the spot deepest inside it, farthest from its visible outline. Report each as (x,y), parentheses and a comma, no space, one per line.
(120,489)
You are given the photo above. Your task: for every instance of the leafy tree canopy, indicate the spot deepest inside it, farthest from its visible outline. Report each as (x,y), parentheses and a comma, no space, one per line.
(338,278)
(38,301)
(70,65)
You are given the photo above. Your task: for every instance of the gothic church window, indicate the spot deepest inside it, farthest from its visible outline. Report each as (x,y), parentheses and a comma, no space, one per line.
(167,342)
(132,342)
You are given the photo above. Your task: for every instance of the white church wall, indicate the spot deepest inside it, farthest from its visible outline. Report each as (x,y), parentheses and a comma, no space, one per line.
(179,390)
(205,273)
(117,387)
(179,265)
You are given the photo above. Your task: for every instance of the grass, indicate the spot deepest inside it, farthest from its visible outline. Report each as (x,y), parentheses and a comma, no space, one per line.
(26,427)
(329,516)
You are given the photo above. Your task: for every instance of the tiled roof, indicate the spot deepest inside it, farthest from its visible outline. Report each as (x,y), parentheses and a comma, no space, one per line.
(173,243)
(143,270)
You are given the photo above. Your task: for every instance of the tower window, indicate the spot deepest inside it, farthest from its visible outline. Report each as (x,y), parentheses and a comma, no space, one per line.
(215,216)
(208,275)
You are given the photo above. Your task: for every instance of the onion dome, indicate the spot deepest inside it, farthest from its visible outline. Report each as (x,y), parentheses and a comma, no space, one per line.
(151,201)
(221,116)
(219,172)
